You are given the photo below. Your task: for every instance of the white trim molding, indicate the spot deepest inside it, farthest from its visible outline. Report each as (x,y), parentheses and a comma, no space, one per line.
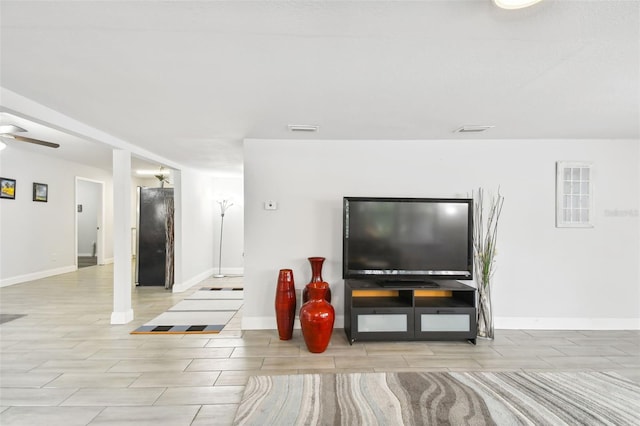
(180,287)
(269,323)
(228,272)
(37,275)
(122,317)
(516,323)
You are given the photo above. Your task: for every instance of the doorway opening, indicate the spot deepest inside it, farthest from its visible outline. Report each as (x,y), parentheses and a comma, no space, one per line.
(89,218)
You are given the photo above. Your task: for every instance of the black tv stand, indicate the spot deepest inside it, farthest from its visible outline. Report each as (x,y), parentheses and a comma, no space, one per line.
(408,282)
(401,310)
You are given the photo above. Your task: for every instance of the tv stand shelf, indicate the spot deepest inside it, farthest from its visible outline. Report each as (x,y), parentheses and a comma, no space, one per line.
(380,302)
(410,312)
(440,302)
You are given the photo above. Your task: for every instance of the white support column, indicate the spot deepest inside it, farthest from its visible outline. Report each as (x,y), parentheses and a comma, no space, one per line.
(178,273)
(122,274)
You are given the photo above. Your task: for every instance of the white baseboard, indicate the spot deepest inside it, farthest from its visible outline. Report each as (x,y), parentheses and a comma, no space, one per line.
(229,271)
(36,275)
(180,287)
(107,261)
(269,323)
(122,317)
(514,323)
(258,323)
(504,323)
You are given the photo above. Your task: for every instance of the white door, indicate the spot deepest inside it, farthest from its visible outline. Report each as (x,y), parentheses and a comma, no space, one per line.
(89,220)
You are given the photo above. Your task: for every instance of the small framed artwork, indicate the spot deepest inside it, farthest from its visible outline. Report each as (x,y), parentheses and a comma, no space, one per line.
(40,192)
(7,188)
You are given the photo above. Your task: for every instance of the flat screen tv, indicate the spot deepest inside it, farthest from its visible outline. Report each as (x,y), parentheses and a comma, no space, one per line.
(407,240)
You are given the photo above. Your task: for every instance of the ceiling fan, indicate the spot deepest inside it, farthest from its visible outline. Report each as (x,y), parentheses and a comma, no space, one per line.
(8,130)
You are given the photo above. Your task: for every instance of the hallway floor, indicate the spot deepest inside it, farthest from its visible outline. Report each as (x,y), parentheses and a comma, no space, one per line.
(65,364)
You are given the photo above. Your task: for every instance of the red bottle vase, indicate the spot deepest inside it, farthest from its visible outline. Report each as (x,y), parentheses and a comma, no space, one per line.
(316,318)
(316,277)
(285,304)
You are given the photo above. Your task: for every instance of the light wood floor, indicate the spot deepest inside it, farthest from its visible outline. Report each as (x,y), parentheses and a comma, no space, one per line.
(64,364)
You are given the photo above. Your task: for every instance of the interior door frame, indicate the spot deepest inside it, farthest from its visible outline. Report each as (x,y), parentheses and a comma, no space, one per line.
(100,230)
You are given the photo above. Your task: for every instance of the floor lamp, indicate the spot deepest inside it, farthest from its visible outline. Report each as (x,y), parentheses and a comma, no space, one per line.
(224,205)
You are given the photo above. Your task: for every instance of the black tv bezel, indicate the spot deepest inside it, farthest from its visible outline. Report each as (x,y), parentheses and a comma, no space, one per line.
(408,278)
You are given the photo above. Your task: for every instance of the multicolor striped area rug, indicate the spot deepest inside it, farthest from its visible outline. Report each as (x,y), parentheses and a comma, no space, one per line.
(477,398)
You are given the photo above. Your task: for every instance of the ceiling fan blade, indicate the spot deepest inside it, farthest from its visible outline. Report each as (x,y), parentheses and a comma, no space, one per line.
(36,141)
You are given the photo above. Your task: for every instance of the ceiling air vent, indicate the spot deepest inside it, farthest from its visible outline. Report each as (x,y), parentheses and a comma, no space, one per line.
(473,129)
(303,128)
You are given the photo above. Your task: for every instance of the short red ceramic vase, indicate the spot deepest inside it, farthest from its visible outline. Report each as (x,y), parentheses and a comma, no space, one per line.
(316,318)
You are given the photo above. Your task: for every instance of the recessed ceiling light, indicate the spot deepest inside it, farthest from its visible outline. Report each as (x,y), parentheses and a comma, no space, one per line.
(515,4)
(303,127)
(473,129)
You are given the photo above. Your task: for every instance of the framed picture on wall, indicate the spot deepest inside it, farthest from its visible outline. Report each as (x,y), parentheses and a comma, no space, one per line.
(7,188)
(40,192)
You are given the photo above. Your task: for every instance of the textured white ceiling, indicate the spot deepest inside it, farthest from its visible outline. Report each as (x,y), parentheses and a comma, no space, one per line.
(189,80)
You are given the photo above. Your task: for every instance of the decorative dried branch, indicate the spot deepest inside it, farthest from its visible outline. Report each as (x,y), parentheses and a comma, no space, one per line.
(169,242)
(485,234)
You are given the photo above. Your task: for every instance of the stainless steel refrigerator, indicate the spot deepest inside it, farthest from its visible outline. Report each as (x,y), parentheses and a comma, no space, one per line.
(154,257)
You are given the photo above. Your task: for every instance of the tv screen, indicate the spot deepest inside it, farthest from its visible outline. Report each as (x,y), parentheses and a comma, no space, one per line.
(408,238)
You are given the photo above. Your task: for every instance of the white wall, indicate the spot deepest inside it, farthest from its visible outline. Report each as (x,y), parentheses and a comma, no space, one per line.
(197,238)
(194,228)
(27,255)
(38,239)
(546,277)
(229,188)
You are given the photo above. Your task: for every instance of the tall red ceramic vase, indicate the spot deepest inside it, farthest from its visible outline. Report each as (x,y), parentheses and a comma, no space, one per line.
(316,318)
(285,303)
(316,277)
